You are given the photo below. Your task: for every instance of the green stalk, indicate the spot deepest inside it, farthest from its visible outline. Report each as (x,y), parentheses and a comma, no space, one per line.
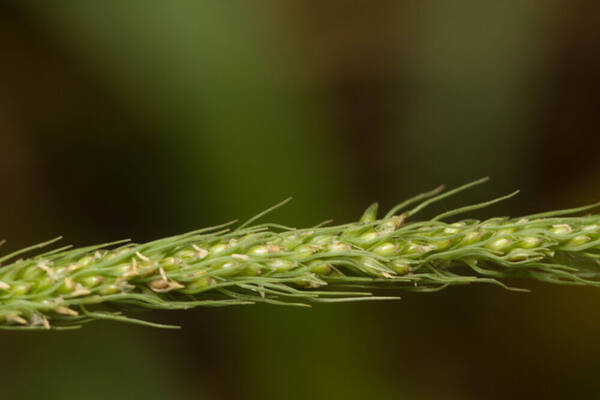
(270,263)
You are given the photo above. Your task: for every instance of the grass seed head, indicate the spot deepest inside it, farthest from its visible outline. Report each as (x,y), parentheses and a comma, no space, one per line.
(270,263)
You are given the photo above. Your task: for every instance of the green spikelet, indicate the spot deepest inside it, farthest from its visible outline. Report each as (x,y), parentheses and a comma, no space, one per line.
(274,264)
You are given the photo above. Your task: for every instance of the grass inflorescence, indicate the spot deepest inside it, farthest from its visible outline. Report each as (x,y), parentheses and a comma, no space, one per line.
(270,263)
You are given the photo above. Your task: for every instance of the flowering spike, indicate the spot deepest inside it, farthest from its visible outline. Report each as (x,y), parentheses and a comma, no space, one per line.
(275,264)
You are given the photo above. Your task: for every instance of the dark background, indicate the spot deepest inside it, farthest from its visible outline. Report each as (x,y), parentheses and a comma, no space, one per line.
(141,119)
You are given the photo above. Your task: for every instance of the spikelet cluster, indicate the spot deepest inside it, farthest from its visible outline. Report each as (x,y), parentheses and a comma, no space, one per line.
(271,263)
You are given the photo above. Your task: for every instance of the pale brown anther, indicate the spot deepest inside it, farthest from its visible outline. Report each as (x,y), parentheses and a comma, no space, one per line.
(200,252)
(44,267)
(66,311)
(399,219)
(162,285)
(142,257)
(133,271)
(17,319)
(80,290)
(37,319)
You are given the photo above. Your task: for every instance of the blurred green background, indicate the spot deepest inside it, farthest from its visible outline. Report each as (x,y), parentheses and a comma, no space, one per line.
(141,119)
